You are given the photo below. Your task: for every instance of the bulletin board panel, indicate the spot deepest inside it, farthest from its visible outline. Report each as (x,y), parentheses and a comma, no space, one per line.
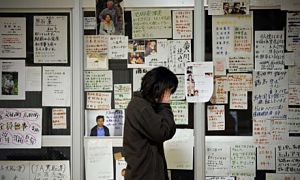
(34,98)
(124,75)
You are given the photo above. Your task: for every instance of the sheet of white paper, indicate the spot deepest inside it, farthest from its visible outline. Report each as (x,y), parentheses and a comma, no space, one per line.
(220,66)
(50,39)
(240,64)
(290,58)
(122,95)
(293,31)
(98,80)
(294,120)
(287,158)
(180,111)
(180,55)
(151,23)
(180,91)
(98,100)
(199,81)
(56,86)
(32,170)
(182,24)
(114,121)
(217,159)
(290,5)
(219,178)
(137,75)
(279,131)
(243,160)
(294,73)
(220,90)
(33,78)
(118,47)
(12,75)
(120,167)
(95,52)
(265,157)
(269,50)
(89,23)
(226,7)
(240,81)
(157,52)
(98,153)
(261,131)
(238,100)
(294,95)
(13,37)
(216,117)
(59,118)
(20,128)
(275,176)
(179,150)
(270,95)
(261,3)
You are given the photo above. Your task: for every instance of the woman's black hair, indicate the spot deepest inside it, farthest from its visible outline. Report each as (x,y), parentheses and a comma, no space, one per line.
(156,81)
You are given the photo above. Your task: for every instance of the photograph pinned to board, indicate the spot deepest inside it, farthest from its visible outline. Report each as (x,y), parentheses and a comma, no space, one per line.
(112,119)
(110,17)
(199,81)
(226,7)
(136,54)
(12,75)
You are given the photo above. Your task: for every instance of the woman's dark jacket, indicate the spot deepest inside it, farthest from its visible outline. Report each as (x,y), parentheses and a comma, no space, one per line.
(94,131)
(146,127)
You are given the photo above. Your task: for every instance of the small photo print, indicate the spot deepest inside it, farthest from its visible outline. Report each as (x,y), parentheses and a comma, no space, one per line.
(234,8)
(136,45)
(151,47)
(9,83)
(136,58)
(110,17)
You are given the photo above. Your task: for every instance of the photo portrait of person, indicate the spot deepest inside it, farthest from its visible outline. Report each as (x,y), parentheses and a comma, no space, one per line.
(9,83)
(114,9)
(226,8)
(237,8)
(190,85)
(151,47)
(100,129)
(136,58)
(149,122)
(107,26)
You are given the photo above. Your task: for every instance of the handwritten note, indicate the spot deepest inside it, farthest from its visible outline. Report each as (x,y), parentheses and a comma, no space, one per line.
(50,38)
(182,24)
(294,120)
(221,90)
(12,75)
(59,118)
(242,39)
(118,47)
(12,37)
(95,52)
(20,128)
(265,157)
(151,23)
(294,73)
(275,176)
(243,160)
(180,54)
(294,94)
(179,150)
(269,50)
(261,131)
(270,95)
(114,121)
(217,160)
(216,117)
(240,81)
(56,86)
(98,100)
(89,23)
(240,64)
(122,95)
(279,131)
(288,158)
(180,111)
(137,75)
(180,91)
(120,168)
(293,31)
(238,100)
(46,170)
(98,153)
(159,57)
(98,81)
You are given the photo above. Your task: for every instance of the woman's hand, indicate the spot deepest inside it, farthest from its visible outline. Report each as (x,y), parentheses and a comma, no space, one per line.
(166,96)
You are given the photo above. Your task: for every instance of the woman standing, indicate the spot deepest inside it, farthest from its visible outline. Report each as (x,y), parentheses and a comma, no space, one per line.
(149,121)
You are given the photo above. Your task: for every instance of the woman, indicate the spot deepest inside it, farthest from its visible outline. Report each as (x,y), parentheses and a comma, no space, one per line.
(149,122)
(107,25)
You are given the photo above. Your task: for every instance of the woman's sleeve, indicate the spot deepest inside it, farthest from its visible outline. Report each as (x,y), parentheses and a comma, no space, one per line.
(101,29)
(159,125)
